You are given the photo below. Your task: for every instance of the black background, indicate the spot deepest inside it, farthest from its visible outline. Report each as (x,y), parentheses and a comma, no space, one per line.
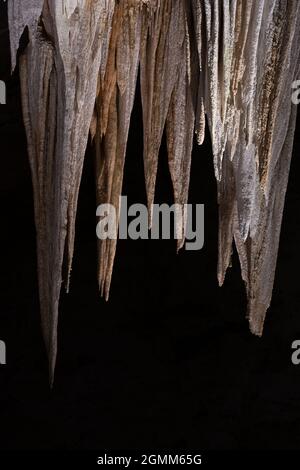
(169,362)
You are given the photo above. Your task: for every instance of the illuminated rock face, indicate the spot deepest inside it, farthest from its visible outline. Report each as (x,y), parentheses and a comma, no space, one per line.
(233,62)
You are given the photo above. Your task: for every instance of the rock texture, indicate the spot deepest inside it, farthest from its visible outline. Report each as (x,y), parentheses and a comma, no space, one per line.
(228,62)
(59,73)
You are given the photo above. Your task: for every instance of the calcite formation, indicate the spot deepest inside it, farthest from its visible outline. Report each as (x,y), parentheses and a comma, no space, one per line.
(230,63)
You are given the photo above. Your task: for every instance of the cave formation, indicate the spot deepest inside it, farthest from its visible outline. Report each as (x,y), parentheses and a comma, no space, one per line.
(228,65)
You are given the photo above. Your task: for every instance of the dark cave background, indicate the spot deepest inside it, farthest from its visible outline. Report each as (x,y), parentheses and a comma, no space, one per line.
(169,362)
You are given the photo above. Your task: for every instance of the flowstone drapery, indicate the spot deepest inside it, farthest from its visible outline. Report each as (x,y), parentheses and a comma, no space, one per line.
(231,63)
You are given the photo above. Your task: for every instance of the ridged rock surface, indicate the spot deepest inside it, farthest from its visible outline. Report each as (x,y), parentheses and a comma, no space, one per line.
(228,62)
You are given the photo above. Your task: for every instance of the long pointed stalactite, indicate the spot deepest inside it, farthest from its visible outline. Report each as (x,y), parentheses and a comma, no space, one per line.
(231,63)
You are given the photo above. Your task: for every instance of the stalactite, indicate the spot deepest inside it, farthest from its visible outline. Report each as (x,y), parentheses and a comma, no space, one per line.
(231,62)
(59,73)
(252,120)
(112,115)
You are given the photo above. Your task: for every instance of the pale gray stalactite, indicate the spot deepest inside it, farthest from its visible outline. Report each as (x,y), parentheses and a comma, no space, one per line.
(230,62)
(59,73)
(252,139)
(274,141)
(180,125)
